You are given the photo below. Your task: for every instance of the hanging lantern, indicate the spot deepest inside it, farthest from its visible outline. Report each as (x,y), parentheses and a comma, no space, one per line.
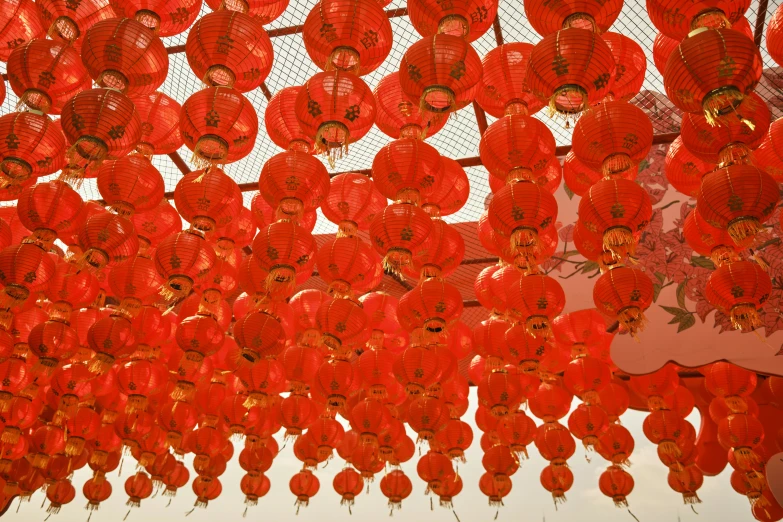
(536,300)
(181,259)
(453,192)
(684,170)
(615,444)
(616,210)
(687,482)
(396,486)
(468,19)
(433,304)
(398,117)
(520,212)
(612,137)
(266,11)
(624,293)
(711,73)
(407,170)
(441,255)
(207,199)
(731,142)
(33,146)
(45,74)
(219,125)
(162,17)
(130,184)
(739,289)
(293,182)
(159,115)
(516,148)
(571,70)
(122,54)
(631,66)
(229,49)
(741,434)
(98,124)
(107,240)
(343,324)
(494,491)
(617,484)
(708,240)
(503,89)
(738,198)
(281,123)
(348,484)
(558,480)
(347,35)
(442,72)
(547,18)
(346,264)
(352,203)
(397,232)
(67,23)
(20,23)
(677,21)
(336,109)
(284,250)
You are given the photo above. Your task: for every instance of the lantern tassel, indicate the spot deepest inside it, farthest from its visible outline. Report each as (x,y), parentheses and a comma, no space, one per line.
(745,317)
(743,230)
(634,516)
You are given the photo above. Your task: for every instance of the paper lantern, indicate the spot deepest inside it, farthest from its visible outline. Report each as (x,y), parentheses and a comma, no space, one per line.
(624,293)
(162,17)
(516,148)
(547,17)
(631,65)
(738,290)
(398,117)
(503,86)
(468,19)
(281,123)
(159,115)
(677,21)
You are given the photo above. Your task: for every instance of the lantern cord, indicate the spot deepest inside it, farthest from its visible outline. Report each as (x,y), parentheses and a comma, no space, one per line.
(496,514)
(432,508)
(43,502)
(694,509)
(189,512)
(47,517)
(167,505)
(89,516)
(391,512)
(126,515)
(349,510)
(19,505)
(456,516)
(122,460)
(634,516)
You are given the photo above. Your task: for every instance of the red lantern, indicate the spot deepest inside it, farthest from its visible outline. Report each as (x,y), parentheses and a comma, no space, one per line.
(615,444)
(60,493)
(557,480)
(495,491)
(352,203)
(741,434)
(738,290)
(617,484)
(555,443)
(546,17)
(207,199)
(138,487)
(678,21)
(20,23)
(398,232)
(259,335)
(536,300)
(334,381)
(433,304)
(453,192)
(441,254)
(500,393)
(730,382)
(585,377)
(571,70)
(442,72)
(347,35)
(687,482)
(229,49)
(398,117)
(122,54)
(774,33)
(616,210)
(417,368)
(503,89)
(157,224)
(293,182)
(516,148)
(346,263)
(48,209)
(550,403)
(219,125)
(711,72)
(731,142)
(159,115)
(396,486)
(684,170)
(67,23)
(342,323)
(108,240)
(98,124)
(24,269)
(281,124)
(631,65)
(162,17)
(348,484)
(407,170)
(520,212)
(181,259)
(284,250)
(613,137)
(708,240)
(130,184)
(336,109)
(624,293)
(468,19)
(739,198)
(45,74)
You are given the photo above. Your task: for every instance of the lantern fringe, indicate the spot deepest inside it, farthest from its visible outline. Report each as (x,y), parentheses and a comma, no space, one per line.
(177,287)
(525,242)
(619,241)
(538,327)
(746,458)
(54,508)
(73,175)
(736,404)
(395,260)
(135,403)
(183,391)
(670,448)
(74,446)
(100,363)
(332,151)
(735,153)
(616,164)
(13,295)
(744,229)
(281,281)
(553,111)
(718,104)
(347,229)
(169,492)
(620,501)
(633,320)
(690,497)
(394,505)
(558,498)
(451,100)
(756,479)
(745,317)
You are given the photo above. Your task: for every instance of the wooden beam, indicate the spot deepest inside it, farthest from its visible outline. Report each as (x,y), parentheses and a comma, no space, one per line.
(481,117)
(498,31)
(180,163)
(761,18)
(266,91)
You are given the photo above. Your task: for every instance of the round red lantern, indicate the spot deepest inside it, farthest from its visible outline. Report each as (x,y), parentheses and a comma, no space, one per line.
(536,300)
(348,484)
(571,70)
(453,192)
(285,250)
(219,125)
(208,199)
(19,24)
(396,486)
(398,117)
(631,65)
(547,17)
(708,240)
(678,21)
(159,115)
(397,232)
(335,109)
(711,72)
(468,19)
(738,290)
(281,124)
(617,484)
(774,34)
(441,72)
(624,293)
(555,443)
(181,259)
(130,184)
(352,203)
(615,444)
(347,35)
(516,148)
(122,54)
(433,304)
(739,198)
(229,49)
(44,74)
(64,22)
(612,137)
(684,170)
(162,17)
(503,86)
(293,182)
(558,481)
(407,170)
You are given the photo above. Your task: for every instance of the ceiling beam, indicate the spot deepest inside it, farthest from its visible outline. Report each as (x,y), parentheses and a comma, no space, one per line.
(761,18)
